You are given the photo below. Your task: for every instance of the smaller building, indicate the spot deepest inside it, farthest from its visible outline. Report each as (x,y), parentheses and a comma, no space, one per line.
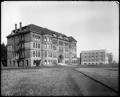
(110,58)
(93,57)
(78,61)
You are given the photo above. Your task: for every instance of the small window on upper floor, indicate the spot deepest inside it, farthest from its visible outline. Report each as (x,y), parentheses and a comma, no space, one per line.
(38,53)
(39,38)
(33,45)
(38,45)
(45,39)
(33,53)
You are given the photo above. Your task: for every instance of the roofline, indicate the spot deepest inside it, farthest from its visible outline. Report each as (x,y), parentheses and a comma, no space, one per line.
(93,50)
(54,32)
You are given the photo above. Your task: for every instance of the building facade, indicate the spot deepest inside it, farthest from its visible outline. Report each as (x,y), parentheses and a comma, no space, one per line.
(93,57)
(32,45)
(110,57)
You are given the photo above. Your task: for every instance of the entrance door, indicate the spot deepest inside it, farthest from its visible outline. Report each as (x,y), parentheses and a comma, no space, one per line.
(60,58)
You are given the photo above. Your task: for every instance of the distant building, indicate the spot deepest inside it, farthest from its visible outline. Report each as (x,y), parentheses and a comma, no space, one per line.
(110,57)
(32,45)
(78,61)
(93,57)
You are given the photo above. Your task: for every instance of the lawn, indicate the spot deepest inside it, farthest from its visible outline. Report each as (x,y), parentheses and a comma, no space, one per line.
(108,76)
(42,82)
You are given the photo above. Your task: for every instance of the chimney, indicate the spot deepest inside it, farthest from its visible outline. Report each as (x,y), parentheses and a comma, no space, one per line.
(15,28)
(20,26)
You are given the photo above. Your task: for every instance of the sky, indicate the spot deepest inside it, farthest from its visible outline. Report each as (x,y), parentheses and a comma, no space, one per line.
(94,24)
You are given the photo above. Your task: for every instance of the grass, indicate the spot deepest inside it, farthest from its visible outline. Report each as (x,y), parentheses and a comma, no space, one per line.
(99,66)
(34,82)
(108,76)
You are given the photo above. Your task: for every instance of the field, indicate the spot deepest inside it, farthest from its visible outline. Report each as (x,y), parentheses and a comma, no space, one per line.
(57,81)
(108,76)
(48,81)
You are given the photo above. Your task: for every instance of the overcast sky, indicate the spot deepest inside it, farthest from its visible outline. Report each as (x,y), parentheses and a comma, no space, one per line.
(95,25)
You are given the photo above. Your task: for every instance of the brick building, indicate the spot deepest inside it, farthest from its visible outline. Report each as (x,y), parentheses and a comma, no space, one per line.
(32,45)
(93,57)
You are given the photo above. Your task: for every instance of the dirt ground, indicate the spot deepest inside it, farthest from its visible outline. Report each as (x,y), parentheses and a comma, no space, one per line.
(49,82)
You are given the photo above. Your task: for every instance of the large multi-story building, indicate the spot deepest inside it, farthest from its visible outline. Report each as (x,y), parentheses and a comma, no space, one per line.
(93,57)
(32,45)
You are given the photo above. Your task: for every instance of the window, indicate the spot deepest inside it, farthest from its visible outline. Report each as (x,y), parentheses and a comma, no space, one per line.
(10,62)
(38,45)
(45,39)
(51,46)
(61,49)
(54,47)
(45,53)
(60,43)
(33,36)
(66,44)
(53,54)
(54,41)
(33,53)
(49,62)
(13,63)
(66,49)
(45,46)
(49,39)
(66,56)
(39,37)
(38,53)
(27,62)
(45,61)
(23,54)
(50,54)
